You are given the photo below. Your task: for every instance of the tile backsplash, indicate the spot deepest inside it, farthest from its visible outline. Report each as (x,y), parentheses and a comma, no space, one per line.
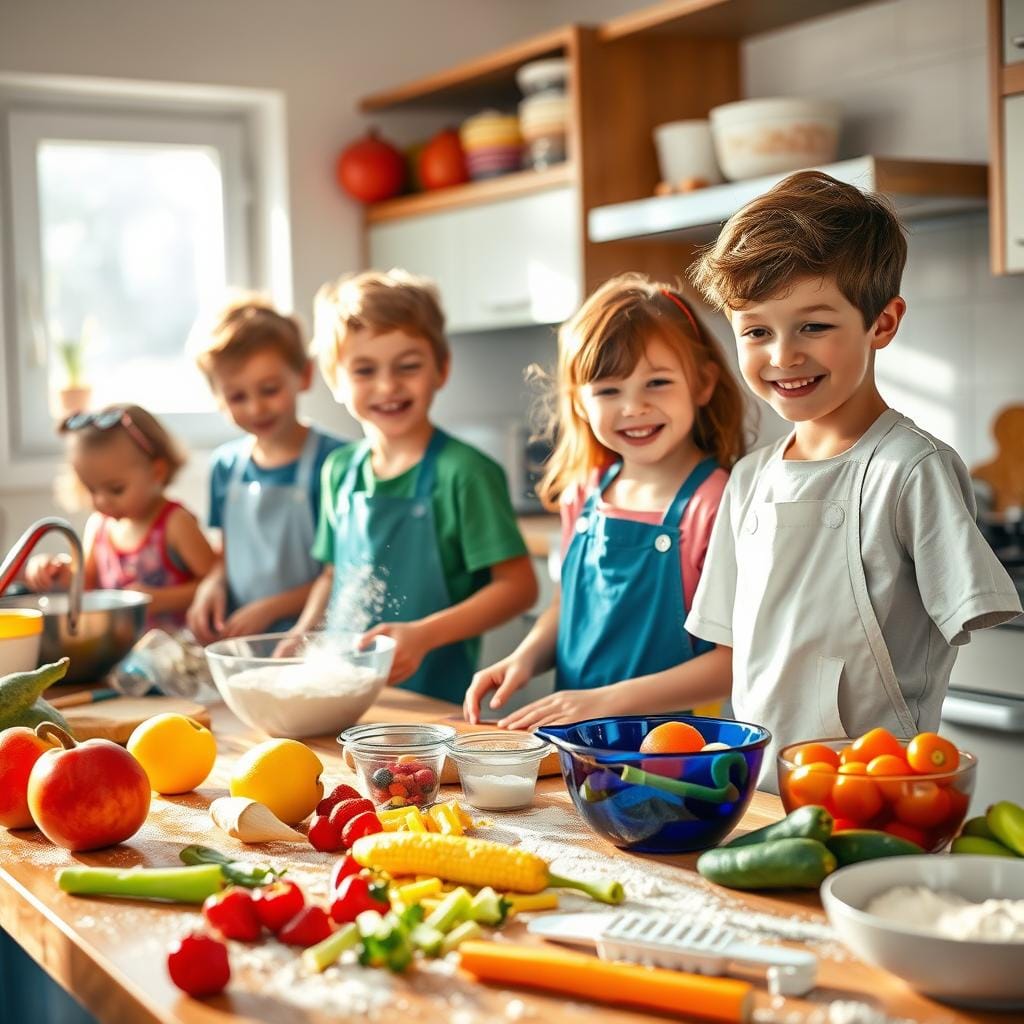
(911,77)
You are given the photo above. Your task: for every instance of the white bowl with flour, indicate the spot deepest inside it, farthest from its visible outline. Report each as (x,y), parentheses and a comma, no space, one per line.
(893,913)
(313,685)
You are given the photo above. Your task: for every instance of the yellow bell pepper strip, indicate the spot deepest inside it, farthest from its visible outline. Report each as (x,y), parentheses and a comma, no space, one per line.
(414,892)
(524,903)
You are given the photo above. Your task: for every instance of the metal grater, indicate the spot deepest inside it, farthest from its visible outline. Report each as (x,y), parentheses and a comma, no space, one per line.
(659,940)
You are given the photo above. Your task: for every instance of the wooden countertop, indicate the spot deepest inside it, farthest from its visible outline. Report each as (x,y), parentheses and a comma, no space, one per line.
(111,953)
(540,532)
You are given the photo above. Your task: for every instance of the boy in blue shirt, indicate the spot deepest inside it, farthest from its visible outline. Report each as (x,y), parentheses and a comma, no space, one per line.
(426,514)
(265,487)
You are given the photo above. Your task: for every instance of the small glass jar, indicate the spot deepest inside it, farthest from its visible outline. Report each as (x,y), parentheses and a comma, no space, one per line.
(498,769)
(399,765)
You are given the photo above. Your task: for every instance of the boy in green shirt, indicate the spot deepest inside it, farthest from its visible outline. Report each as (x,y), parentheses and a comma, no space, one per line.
(427,515)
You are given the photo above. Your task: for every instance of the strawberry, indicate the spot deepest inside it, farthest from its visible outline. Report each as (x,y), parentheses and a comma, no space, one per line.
(336,795)
(233,913)
(323,835)
(308,927)
(365,824)
(348,809)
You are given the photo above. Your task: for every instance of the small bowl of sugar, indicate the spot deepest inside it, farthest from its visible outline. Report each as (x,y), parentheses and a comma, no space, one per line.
(498,769)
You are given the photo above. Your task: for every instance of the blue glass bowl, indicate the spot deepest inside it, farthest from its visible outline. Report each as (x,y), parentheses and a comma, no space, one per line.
(659,803)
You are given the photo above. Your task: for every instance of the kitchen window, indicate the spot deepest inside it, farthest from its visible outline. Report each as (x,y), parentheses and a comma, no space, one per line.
(125,224)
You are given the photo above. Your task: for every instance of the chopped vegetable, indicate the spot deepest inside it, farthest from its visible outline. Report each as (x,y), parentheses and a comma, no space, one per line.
(173,885)
(523,903)
(319,957)
(427,939)
(451,910)
(460,934)
(576,974)
(415,891)
(489,908)
(471,861)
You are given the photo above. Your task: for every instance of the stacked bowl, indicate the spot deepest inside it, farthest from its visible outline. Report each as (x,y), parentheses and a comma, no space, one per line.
(544,113)
(492,144)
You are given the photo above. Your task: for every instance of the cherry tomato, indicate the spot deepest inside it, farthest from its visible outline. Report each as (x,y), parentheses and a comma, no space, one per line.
(875,743)
(198,965)
(904,831)
(815,753)
(853,768)
(233,914)
(843,825)
(856,797)
(928,752)
(957,803)
(356,894)
(889,764)
(812,783)
(343,867)
(847,754)
(924,805)
(308,927)
(276,904)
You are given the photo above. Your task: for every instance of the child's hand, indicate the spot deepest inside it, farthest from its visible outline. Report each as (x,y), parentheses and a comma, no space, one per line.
(504,677)
(205,616)
(412,645)
(255,617)
(562,706)
(48,572)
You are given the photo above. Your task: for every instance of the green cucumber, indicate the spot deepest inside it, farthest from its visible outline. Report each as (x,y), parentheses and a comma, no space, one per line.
(979,845)
(781,864)
(1006,820)
(856,844)
(809,822)
(978,827)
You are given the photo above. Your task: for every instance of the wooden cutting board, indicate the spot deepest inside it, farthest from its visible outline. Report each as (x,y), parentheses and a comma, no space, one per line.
(116,719)
(1005,473)
(450,773)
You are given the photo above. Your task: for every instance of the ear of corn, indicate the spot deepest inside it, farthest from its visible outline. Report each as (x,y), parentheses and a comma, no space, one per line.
(458,858)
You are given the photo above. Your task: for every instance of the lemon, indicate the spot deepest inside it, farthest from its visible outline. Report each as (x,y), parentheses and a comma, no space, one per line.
(282,774)
(175,751)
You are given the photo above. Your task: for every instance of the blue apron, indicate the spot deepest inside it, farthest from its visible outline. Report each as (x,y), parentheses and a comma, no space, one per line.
(623,605)
(268,533)
(397,537)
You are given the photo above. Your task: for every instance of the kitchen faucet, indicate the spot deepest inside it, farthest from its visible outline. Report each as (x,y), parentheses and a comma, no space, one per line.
(17,556)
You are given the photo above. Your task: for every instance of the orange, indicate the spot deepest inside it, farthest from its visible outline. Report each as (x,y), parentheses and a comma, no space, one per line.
(672,738)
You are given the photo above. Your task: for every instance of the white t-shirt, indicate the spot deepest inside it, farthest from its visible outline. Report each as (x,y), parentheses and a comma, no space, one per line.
(931,577)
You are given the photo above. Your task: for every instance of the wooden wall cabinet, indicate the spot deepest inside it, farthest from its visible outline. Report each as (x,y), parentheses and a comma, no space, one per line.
(1006,135)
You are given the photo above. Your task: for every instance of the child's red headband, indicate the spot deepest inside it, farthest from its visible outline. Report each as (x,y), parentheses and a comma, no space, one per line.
(685,310)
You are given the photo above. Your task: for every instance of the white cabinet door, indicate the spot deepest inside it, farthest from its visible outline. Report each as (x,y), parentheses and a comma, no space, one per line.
(502,264)
(1013,171)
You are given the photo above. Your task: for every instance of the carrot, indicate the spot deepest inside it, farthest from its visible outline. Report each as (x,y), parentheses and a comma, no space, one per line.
(653,988)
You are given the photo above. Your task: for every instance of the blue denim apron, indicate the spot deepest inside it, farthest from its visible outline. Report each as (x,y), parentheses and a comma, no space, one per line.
(398,538)
(623,604)
(268,534)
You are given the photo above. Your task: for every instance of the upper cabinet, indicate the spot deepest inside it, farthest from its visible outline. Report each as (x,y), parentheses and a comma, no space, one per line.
(1006,174)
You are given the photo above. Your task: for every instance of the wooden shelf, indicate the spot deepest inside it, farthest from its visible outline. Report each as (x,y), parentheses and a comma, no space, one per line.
(506,187)
(919,188)
(726,18)
(489,79)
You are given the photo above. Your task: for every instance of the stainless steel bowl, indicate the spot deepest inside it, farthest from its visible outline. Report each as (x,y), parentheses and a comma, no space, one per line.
(111,622)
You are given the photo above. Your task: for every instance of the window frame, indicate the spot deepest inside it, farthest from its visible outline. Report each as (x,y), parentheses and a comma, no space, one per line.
(247,126)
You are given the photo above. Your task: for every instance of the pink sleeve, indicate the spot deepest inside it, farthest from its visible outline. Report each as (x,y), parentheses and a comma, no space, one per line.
(696,526)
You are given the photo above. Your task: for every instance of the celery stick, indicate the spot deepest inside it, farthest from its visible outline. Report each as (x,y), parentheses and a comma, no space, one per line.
(452,909)
(319,957)
(427,939)
(455,938)
(174,885)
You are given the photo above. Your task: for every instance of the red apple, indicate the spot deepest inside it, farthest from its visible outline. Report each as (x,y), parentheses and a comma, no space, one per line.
(84,796)
(20,748)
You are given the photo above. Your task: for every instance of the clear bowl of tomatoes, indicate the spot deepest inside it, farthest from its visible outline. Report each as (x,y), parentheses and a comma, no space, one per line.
(399,765)
(918,789)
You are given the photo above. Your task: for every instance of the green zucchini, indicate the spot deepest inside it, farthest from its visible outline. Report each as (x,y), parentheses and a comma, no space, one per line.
(809,822)
(981,846)
(856,844)
(781,864)
(977,827)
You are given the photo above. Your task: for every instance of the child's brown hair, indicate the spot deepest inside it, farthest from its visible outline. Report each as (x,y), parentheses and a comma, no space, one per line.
(379,301)
(246,324)
(607,338)
(808,225)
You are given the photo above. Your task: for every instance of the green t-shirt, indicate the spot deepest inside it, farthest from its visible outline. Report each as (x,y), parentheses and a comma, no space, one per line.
(476,526)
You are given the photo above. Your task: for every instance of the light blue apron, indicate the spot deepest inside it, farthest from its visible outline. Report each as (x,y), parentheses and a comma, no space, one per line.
(623,605)
(398,538)
(268,533)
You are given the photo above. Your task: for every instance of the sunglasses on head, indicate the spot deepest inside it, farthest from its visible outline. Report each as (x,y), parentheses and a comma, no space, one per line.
(107,420)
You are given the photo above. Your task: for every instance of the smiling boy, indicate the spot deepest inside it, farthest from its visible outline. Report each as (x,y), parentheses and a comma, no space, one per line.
(428,515)
(845,566)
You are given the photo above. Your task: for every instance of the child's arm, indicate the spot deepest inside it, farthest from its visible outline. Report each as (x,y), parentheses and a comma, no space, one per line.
(512,589)
(534,655)
(186,540)
(205,615)
(317,599)
(702,679)
(259,616)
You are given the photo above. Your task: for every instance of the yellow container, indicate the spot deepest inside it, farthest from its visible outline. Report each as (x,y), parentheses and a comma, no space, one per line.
(21,631)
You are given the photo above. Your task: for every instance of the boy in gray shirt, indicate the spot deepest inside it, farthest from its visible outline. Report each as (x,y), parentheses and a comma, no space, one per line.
(845,566)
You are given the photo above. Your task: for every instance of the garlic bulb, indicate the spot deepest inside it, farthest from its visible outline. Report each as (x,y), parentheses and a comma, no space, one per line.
(251,822)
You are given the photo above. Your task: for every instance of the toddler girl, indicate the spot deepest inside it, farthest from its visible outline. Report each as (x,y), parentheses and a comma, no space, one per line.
(136,539)
(649,421)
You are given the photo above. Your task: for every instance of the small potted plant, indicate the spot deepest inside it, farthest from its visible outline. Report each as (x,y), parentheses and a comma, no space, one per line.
(75,393)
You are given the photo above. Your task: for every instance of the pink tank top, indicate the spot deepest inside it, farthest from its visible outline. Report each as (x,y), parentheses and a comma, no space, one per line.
(147,565)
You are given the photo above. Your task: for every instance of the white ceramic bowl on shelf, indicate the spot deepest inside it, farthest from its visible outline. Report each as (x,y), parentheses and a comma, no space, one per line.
(686,152)
(322,686)
(971,972)
(772,136)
